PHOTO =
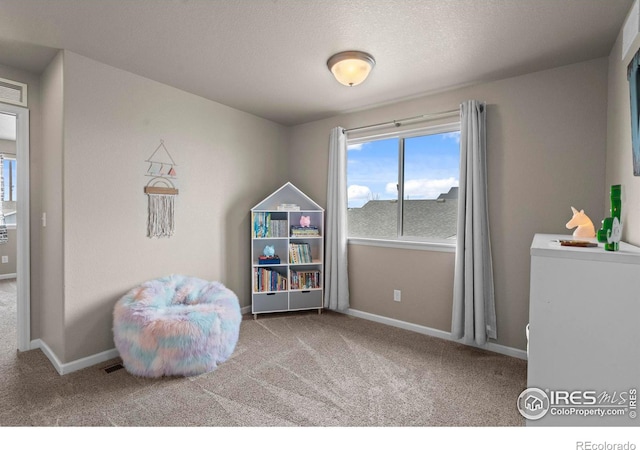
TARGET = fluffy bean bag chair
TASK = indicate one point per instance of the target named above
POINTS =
(176, 325)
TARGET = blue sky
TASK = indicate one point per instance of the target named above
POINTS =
(431, 167)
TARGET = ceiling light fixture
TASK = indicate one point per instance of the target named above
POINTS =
(351, 67)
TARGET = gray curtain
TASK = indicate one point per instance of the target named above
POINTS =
(336, 279)
(474, 312)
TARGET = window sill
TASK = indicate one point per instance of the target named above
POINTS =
(446, 247)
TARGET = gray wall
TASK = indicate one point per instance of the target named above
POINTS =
(50, 261)
(546, 138)
(10, 250)
(227, 161)
(619, 159)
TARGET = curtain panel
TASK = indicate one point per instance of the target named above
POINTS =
(336, 274)
(474, 315)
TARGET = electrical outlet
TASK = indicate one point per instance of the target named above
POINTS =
(5, 259)
(396, 295)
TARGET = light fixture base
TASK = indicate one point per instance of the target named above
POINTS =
(351, 67)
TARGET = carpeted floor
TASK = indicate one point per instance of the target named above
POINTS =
(296, 369)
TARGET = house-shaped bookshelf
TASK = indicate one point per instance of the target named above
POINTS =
(287, 253)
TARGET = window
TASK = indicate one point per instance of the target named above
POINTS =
(9, 174)
(404, 186)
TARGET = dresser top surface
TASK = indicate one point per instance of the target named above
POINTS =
(548, 245)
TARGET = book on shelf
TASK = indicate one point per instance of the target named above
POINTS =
(300, 253)
(309, 279)
(265, 227)
(263, 260)
(268, 280)
(261, 224)
(297, 230)
(279, 228)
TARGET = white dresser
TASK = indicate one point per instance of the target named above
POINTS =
(584, 330)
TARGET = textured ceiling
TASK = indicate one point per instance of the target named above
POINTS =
(268, 57)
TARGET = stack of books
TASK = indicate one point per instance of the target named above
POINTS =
(300, 253)
(297, 231)
(268, 280)
(305, 280)
(265, 227)
(288, 207)
(268, 259)
(278, 228)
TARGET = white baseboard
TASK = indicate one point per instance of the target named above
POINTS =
(8, 276)
(65, 368)
(496, 348)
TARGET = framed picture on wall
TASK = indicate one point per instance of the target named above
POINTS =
(634, 79)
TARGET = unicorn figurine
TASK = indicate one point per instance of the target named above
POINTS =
(585, 226)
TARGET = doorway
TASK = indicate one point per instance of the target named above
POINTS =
(18, 197)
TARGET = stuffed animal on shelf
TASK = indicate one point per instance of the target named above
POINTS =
(585, 226)
(269, 251)
(305, 221)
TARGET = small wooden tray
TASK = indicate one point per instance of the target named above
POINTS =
(572, 243)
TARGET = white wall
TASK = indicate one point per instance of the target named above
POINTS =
(227, 161)
(546, 142)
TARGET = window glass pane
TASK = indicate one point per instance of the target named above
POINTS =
(9, 173)
(431, 172)
(372, 180)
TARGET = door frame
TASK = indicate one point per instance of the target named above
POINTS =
(23, 265)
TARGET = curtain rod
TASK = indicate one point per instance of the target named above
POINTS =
(398, 122)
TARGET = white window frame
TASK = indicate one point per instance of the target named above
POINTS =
(406, 242)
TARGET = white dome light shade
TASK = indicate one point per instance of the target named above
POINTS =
(352, 67)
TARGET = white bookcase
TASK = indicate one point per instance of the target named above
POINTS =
(295, 282)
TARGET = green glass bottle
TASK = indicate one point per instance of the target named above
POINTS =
(608, 223)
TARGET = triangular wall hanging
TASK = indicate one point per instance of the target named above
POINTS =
(161, 192)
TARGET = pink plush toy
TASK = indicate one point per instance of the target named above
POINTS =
(305, 221)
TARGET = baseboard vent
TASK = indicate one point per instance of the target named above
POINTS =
(113, 368)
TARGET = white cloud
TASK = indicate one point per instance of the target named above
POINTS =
(452, 135)
(356, 192)
(356, 146)
(358, 195)
(424, 188)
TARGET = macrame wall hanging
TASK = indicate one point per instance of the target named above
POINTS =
(4, 237)
(161, 192)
